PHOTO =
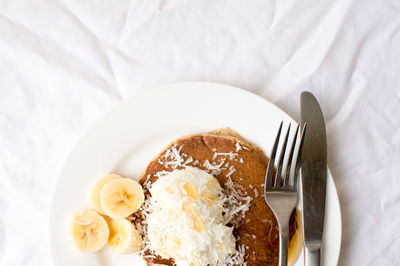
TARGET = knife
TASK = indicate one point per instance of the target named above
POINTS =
(313, 175)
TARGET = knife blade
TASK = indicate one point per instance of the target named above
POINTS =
(313, 175)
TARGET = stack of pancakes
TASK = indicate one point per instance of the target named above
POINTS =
(257, 230)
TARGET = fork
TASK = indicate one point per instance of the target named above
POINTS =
(279, 193)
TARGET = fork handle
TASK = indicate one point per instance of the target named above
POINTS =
(283, 244)
(312, 255)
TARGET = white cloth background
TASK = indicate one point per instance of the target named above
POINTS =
(64, 63)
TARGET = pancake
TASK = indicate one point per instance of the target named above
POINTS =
(228, 157)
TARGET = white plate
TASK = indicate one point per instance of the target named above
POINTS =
(127, 137)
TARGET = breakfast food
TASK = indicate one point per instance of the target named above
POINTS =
(199, 202)
(115, 198)
(121, 197)
(186, 221)
(89, 231)
(239, 167)
(95, 195)
(124, 238)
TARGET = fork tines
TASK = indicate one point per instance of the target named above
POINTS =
(279, 180)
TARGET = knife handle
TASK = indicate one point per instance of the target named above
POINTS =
(312, 255)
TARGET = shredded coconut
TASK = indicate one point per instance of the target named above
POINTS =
(256, 193)
(238, 147)
(214, 168)
(189, 160)
(147, 183)
(237, 258)
(231, 171)
(269, 222)
(172, 157)
(235, 204)
(231, 155)
(145, 210)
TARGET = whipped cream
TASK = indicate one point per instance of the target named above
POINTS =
(186, 221)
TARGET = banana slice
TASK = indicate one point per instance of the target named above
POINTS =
(89, 231)
(121, 197)
(124, 238)
(95, 196)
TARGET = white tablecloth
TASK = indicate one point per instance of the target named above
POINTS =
(64, 63)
